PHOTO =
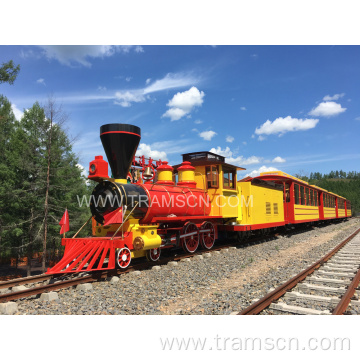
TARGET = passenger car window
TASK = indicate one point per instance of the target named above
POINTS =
(296, 191)
(302, 193)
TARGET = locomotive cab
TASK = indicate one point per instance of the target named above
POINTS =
(219, 180)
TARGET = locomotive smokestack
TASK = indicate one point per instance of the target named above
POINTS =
(120, 142)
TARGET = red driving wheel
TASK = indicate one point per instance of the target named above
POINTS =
(153, 254)
(207, 235)
(190, 241)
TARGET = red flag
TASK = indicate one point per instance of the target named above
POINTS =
(115, 217)
(64, 222)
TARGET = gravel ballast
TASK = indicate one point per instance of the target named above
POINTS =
(222, 283)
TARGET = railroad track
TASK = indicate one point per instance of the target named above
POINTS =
(62, 281)
(337, 274)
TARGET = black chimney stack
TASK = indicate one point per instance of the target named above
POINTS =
(120, 142)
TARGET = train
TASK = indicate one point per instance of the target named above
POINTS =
(146, 207)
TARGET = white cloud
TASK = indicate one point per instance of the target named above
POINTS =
(147, 82)
(174, 114)
(226, 152)
(334, 97)
(243, 108)
(230, 139)
(278, 159)
(282, 125)
(207, 135)
(187, 100)
(198, 121)
(246, 161)
(327, 109)
(171, 81)
(139, 49)
(125, 98)
(18, 113)
(128, 78)
(146, 150)
(30, 53)
(260, 170)
(244, 143)
(83, 170)
(174, 146)
(183, 103)
(41, 81)
(357, 118)
(78, 54)
(239, 160)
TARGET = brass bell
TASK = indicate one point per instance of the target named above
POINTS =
(148, 173)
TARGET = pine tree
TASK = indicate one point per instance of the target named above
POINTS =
(9, 72)
(28, 149)
(7, 124)
(32, 171)
(66, 183)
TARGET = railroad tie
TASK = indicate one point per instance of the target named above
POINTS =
(297, 309)
(294, 295)
(307, 286)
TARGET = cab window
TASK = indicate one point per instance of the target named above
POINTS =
(212, 177)
(229, 178)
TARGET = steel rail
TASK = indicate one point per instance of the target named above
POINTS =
(24, 280)
(50, 287)
(272, 296)
(346, 298)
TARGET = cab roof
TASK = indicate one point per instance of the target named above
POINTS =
(206, 158)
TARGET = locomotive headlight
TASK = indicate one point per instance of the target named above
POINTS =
(92, 168)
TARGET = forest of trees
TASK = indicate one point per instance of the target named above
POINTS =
(338, 174)
(39, 178)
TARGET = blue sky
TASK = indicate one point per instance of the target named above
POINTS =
(292, 108)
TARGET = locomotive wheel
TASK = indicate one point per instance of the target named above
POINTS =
(190, 241)
(153, 254)
(208, 237)
(123, 258)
